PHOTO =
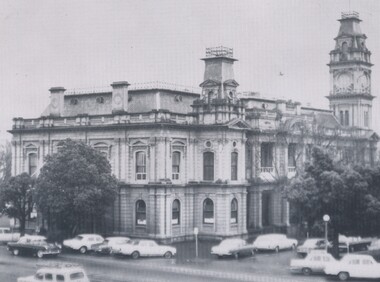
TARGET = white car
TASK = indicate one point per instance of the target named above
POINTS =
(274, 242)
(356, 266)
(6, 235)
(110, 244)
(57, 273)
(311, 244)
(233, 247)
(145, 248)
(315, 262)
(83, 242)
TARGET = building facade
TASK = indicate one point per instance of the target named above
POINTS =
(211, 157)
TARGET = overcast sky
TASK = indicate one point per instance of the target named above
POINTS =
(85, 44)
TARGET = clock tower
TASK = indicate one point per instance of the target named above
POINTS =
(350, 75)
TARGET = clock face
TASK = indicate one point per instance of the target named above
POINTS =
(117, 100)
(363, 81)
(344, 81)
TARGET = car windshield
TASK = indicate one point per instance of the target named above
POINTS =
(39, 276)
(78, 237)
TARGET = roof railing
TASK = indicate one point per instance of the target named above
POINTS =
(137, 86)
(350, 14)
(219, 51)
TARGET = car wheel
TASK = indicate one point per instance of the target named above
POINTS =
(277, 249)
(40, 254)
(306, 271)
(343, 276)
(252, 252)
(135, 255)
(293, 247)
(83, 250)
(16, 252)
(236, 255)
(168, 255)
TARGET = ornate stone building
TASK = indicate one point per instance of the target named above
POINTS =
(211, 158)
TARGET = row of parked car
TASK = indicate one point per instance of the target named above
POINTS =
(38, 246)
(355, 261)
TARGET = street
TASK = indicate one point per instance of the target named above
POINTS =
(263, 267)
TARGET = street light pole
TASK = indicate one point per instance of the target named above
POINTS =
(326, 219)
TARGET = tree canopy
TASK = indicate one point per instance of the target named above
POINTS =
(16, 198)
(349, 195)
(5, 161)
(75, 184)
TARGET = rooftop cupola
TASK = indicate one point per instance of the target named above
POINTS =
(219, 102)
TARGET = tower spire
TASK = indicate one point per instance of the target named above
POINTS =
(350, 74)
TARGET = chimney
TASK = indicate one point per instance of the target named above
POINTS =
(120, 96)
(56, 101)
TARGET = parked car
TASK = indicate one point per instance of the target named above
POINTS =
(274, 242)
(110, 244)
(145, 248)
(57, 273)
(33, 245)
(6, 235)
(375, 245)
(233, 247)
(83, 242)
(354, 265)
(314, 262)
(311, 244)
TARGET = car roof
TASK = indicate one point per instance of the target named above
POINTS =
(59, 270)
(37, 237)
(117, 238)
(271, 235)
(357, 256)
(89, 235)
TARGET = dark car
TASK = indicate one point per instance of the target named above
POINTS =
(109, 244)
(33, 245)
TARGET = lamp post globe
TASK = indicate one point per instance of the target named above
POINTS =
(326, 219)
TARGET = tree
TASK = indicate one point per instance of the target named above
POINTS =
(344, 193)
(16, 198)
(75, 185)
(5, 161)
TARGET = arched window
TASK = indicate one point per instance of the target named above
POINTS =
(32, 163)
(344, 47)
(208, 211)
(234, 211)
(234, 166)
(140, 165)
(176, 212)
(140, 213)
(208, 166)
(176, 162)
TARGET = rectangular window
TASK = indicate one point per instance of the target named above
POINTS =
(346, 118)
(140, 166)
(266, 155)
(366, 119)
(292, 155)
(32, 163)
(208, 166)
(176, 161)
(341, 117)
(234, 166)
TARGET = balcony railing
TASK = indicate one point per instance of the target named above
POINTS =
(291, 169)
(267, 169)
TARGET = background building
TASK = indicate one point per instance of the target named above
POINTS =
(215, 159)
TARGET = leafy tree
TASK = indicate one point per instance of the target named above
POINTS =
(16, 198)
(74, 185)
(347, 194)
(5, 161)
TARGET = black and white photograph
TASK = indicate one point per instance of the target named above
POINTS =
(194, 140)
